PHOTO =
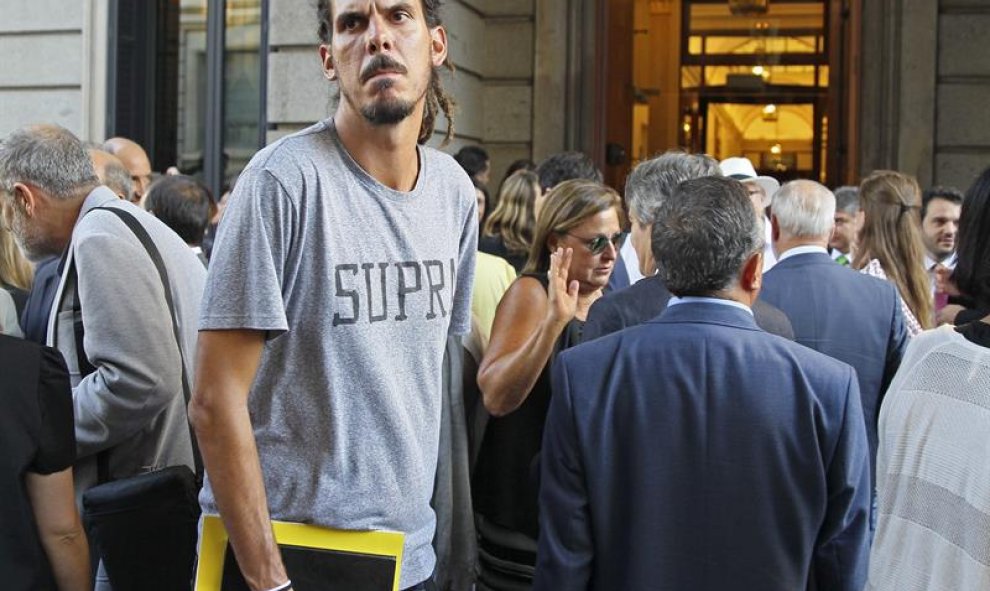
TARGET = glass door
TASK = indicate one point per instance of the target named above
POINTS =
(755, 82)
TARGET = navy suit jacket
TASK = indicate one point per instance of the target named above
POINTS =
(647, 298)
(698, 452)
(619, 279)
(34, 317)
(846, 315)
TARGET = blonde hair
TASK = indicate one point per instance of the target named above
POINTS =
(15, 270)
(566, 207)
(891, 233)
(513, 218)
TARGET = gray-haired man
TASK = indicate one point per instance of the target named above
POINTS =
(834, 310)
(127, 383)
(648, 186)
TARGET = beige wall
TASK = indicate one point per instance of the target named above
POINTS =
(491, 43)
(41, 42)
(54, 64)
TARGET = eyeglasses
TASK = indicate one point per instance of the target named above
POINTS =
(598, 244)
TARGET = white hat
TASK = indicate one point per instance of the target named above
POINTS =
(742, 169)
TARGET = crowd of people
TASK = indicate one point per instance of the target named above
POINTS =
(711, 381)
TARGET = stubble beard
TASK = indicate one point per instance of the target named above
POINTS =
(33, 244)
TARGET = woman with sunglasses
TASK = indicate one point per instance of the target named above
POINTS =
(575, 246)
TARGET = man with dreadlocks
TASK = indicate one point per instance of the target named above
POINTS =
(344, 260)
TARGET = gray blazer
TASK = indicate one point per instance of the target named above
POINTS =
(132, 404)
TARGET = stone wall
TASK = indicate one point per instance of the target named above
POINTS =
(925, 84)
(962, 127)
(41, 80)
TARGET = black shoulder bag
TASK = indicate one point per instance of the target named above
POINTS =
(146, 526)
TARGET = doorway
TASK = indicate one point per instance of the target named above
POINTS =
(764, 79)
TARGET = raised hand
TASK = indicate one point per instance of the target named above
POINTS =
(562, 295)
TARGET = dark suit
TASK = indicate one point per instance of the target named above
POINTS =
(846, 315)
(698, 452)
(646, 298)
(619, 279)
(34, 318)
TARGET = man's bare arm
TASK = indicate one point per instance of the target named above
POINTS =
(226, 363)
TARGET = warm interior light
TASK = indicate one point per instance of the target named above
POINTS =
(776, 149)
(769, 112)
(687, 128)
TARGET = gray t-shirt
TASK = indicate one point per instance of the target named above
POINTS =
(358, 286)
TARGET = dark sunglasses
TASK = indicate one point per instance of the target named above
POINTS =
(598, 244)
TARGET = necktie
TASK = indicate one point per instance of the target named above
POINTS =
(842, 260)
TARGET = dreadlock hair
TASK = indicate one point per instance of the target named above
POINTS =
(437, 99)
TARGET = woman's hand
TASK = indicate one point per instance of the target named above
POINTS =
(562, 295)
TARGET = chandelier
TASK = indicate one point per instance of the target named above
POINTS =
(748, 7)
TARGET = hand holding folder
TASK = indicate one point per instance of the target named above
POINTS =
(316, 558)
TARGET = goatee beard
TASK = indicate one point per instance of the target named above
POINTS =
(386, 111)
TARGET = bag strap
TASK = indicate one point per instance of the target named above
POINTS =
(156, 257)
(82, 362)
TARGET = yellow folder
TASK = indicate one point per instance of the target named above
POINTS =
(369, 556)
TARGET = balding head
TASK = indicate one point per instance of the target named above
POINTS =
(803, 214)
(135, 159)
(112, 173)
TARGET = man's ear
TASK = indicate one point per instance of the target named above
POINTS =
(326, 59)
(774, 228)
(438, 46)
(27, 198)
(751, 278)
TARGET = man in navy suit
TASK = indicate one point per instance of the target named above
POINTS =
(833, 309)
(696, 451)
(647, 186)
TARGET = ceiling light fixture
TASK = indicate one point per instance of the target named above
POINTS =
(748, 7)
